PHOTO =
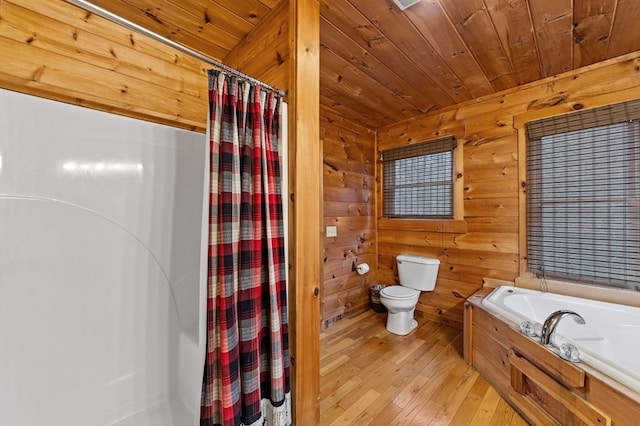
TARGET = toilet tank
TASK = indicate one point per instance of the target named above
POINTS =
(417, 272)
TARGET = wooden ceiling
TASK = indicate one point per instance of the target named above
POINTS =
(380, 65)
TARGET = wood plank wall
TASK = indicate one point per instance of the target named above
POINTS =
(53, 49)
(349, 192)
(264, 53)
(491, 246)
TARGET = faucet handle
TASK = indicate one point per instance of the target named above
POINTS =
(569, 352)
(530, 329)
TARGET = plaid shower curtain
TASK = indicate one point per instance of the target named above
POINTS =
(246, 374)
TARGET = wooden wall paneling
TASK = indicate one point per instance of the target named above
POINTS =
(494, 243)
(305, 168)
(349, 195)
(348, 186)
(53, 36)
(432, 126)
(56, 50)
(265, 52)
(46, 71)
(502, 224)
(337, 208)
(489, 260)
(464, 262)
(78, 18)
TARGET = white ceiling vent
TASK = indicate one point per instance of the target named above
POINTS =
(403, 4)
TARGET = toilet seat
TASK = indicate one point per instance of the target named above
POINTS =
(398, 292)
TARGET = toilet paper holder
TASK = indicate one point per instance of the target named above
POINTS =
(360, 269)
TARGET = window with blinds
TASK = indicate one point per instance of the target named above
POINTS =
(417, 180)
(583, 196)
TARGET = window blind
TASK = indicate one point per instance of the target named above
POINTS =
(418, 180)
(583, 196)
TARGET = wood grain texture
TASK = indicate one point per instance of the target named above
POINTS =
(513, 25)
(213, 28)
(493, 187)
(348, 185)
(305, 172)
(473, 23)
(441, 34)
(380, 65)
(553, 23)
(539, 384)
(393, 24)
(264, 53)
(372, 377)
(55, 50)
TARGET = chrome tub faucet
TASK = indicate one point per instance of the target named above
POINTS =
(552, 321)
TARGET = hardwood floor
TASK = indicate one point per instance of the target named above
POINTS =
(369, 376)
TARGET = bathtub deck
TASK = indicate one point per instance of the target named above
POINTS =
(369, 376)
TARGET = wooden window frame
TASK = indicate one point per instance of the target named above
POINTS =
(526, 278)
(456, 225)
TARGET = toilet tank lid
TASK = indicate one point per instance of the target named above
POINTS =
(417, 259)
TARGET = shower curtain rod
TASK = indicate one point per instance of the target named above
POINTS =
(90, 7)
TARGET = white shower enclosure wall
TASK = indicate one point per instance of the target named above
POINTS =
(102, 267)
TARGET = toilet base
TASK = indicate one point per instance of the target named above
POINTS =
(399, 324)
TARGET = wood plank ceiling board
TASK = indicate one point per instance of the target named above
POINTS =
(252, 11)
(625, 31)
(152, 23)
(396, 27)
(513, 24)
(592, 21)
(474, 24)
(205, 26)
(269, 3)
(346, 107)
(343, 46)
(367, 89)
(553, 23)
(431, 21)
(376, 45)
(344, 77)
(195, 19)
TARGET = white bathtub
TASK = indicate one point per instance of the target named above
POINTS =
(608, 342)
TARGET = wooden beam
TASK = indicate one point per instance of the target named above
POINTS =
(305, 171)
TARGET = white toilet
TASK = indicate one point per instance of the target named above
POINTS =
(416, 274)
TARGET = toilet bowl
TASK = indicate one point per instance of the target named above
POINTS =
(416, 274)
